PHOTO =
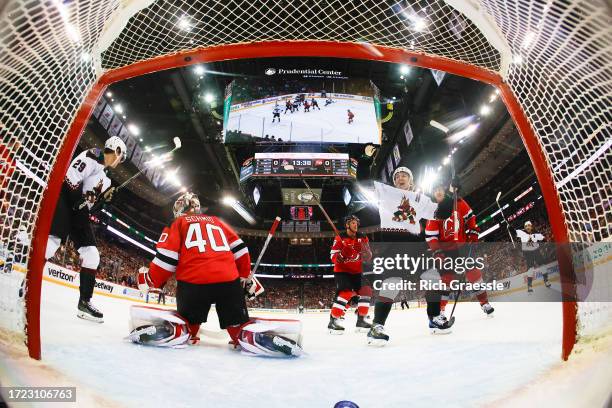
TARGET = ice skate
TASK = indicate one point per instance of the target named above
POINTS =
(334, 326)
(377, 336)
(88, 312)
(362, 325)
(439, 325)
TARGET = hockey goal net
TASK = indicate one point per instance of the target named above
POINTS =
(550, 60)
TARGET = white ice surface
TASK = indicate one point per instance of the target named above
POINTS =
(482, 359)
(330, 124)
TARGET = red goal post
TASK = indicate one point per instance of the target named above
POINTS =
(289, 49)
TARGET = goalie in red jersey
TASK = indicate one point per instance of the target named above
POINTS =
(449, 235)
(212, 266)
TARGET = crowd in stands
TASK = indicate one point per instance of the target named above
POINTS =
(120, 261)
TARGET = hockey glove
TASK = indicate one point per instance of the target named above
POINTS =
(252, 287)
(145, 284)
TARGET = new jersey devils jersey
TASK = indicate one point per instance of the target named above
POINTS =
(353, 264)
(199, 249)
(444, 235)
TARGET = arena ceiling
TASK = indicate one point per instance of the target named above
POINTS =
(188, 103)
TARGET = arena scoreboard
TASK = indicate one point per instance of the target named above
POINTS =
(302, 164)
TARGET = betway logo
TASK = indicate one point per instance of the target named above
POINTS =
(104, 286)
(56, 273)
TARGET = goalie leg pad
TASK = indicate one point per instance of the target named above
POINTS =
(157, 327)
(272, 338)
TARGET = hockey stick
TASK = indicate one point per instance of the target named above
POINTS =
(265, 245)
(505, 219)
(99, 200)
(330, 222)
(451, 318)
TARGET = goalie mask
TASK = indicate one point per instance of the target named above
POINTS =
(186, 203)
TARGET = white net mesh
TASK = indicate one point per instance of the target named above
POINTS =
(52, 53)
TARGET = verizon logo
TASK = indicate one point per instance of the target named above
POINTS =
(61, 275)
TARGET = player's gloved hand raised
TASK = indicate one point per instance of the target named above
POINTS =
(145, 284)
(107, 196)
(252, 287)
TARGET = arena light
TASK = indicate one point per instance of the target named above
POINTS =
(446, 160)
(428, 178)
(147, 149)
(528, 40)
(118, 108)
(404, 69)
(199, 70)
(438, 125)
(208, 98)
(469, 130)
(109, 94)
(485, 110)
(184, 23)
(229, 200)
(129, 239)
(487, 232)
(135, 130)
(518, 197)
(172, 177)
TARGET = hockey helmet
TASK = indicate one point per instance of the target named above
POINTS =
(402, 170)
(116, 145)
(185, 203)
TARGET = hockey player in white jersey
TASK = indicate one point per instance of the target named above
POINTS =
(85, 184)
(530, 240)
(276, 113)
(413, 207)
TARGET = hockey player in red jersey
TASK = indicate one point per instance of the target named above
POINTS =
(449, 235)
(351, 116)
(348, 252)
(212, 266)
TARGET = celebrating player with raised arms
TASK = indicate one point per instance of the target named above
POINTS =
(531, 252)
(449, 235)
(401, 210)
(212, 266)
(348, 252)
(85, 184)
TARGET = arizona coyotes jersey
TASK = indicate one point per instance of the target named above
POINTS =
(529, 241)
(444, 235)
(86, 173)
(200, 249)
(354, 265)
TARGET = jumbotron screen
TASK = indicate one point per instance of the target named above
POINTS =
(302, 164)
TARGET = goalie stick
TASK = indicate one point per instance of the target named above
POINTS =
(265, 245)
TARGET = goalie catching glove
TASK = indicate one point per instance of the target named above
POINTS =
(252, 287)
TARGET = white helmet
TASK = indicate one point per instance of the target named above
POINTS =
(528, 223)
(185, 203)
(116, 145)
(402, 170)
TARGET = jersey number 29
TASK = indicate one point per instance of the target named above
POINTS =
(194, 238)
